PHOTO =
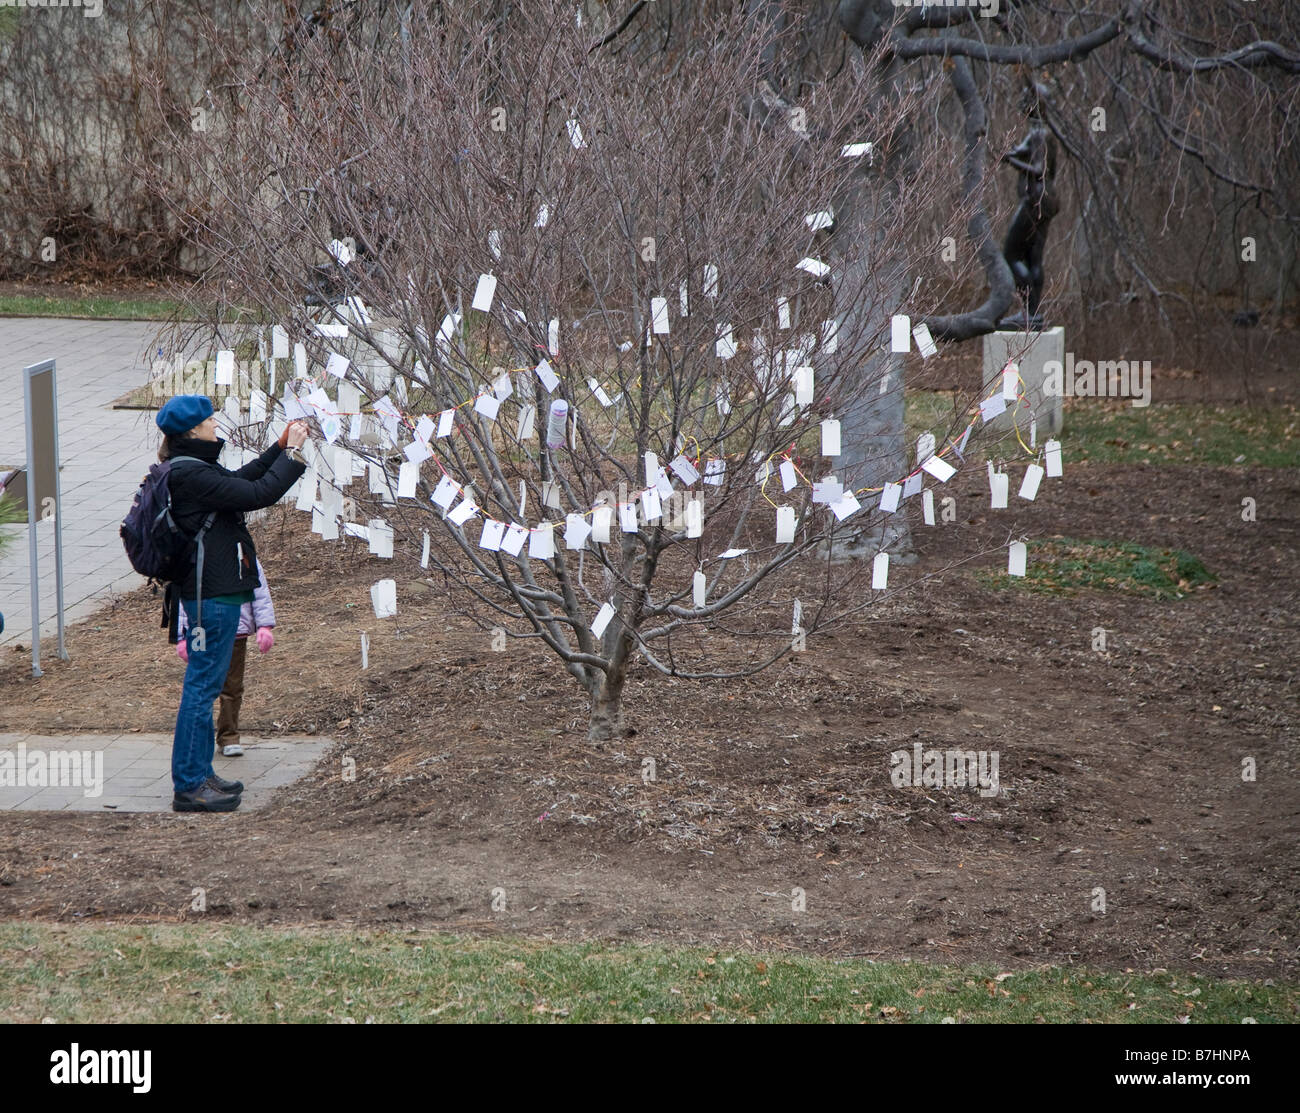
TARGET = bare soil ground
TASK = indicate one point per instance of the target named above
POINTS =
(1120, 770)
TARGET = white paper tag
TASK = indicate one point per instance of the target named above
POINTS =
(784, 525)
(603, 618)
(710, 280)
(939, 468)
(694, 518)
(550, 380)
(445, 422)
(900, 333)
(1052, 458)
(445, 493)
(527, 423)
(513, 543)
(381, 539)
(337, 365)
(725, 344)
(912, 485)
(999, 484)
(846, 505)
(541, 542)
(924, 341)
(783, 313)
(715, 472)
(659, 316)
(627, 517)
(992, 406)
(812, 266)
(576, 531)
(1029, 486)
(803, 385)
(880, 572)
(488, 405)
(601, 521)
(492, 534)
(279, 343)
(699, 586)
(225, 373)
(652, 504)
(889, 497)
(407, 477)
(1010, 382)
(424, 551)
(417, 452)
(484, 293)
(830, 437)
(788, 479)
(830, 336)
(300, 360)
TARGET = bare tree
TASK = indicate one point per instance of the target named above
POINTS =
(624, 450)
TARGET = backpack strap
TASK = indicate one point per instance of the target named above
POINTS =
(198, 541)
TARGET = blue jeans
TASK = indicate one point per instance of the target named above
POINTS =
(205, 676)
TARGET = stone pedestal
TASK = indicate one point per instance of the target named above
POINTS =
(1030, 351)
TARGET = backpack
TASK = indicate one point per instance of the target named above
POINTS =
(155, 545)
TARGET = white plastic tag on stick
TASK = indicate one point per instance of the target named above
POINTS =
(1017, 557)
(383, 597)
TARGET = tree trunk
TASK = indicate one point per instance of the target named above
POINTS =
(607, 706)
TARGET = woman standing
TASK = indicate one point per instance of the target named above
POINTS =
(214, 594)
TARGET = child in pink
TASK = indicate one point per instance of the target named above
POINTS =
(259, 616)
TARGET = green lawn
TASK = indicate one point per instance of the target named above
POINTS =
(103, 308)
(195, 972)
(1105, 432)
(1066, 566)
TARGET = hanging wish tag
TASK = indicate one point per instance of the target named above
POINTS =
(999, 485)
(1017, 557)
(880, 572)
(1029, 486)
(1052, 458)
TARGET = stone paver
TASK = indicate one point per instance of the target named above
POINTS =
(104, 452)
(136, 771)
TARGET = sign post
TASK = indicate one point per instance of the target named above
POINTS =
(43, 503)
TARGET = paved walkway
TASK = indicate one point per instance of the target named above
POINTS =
(104, 454)
(132, 772)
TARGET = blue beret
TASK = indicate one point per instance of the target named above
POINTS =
(182, 413)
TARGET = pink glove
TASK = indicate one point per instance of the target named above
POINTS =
(265, 639)
(182, 650)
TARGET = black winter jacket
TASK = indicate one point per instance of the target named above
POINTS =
(229, 558)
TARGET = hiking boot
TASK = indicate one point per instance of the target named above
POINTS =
(231, 788)
(205, 798)
(232, 749)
